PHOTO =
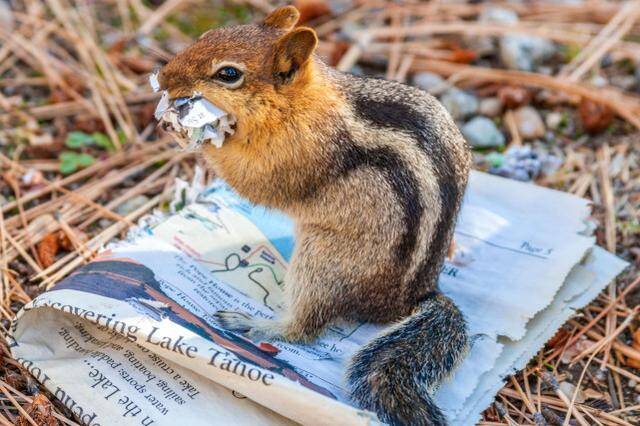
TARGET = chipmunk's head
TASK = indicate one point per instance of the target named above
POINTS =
(248, 71)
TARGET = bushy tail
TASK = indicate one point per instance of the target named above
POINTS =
(395, 374)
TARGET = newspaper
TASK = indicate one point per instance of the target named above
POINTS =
(130, 339)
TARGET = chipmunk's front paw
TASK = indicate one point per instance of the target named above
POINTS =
(256, 330)
(234, 321)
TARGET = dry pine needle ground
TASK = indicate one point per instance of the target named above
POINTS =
(81, 158)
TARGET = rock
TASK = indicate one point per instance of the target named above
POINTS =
(32, 177)
(529, 123)
(554, 120)
(625, 82)
(459, 104)
(514, 96)
(6, 16)
(523, 52)
(569, 389)
(132, 204)
(105, 223)
(481, 132)
(595, 116)
(632, 383)
(598, 81)
(486, 45)
(430, 82)
(545, 70)
(498, 15)
(523, 163)
(491, 107)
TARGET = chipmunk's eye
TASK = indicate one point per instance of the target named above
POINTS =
(228, 74)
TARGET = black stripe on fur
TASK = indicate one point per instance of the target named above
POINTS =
(401, 116)
(402, 181)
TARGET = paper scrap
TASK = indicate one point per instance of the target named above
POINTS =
(193, 118)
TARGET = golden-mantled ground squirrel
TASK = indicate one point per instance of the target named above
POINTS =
(373, 173)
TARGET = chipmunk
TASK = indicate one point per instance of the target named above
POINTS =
(372, 172)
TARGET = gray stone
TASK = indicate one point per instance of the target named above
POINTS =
(625, 82)
(486, 45)
(132, 204)
(568, 389)
(491, 107)
(105, 223)
(499, 15)
(481, 132)
(598, 81)
(459, 104)
(523, 163)
(6, 15)
(529, 123)
(430, 82)
(523, 52)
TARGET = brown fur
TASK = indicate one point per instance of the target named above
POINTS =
(373, 174)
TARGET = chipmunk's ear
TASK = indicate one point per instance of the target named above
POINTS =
(283, 17)
(292, 52)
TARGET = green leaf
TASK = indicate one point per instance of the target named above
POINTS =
(68, 162)
(78, 140)
(68, 156)
(495, 159)
(102, 141)
(85, 160)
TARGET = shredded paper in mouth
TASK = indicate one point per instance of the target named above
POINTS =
(192, 118)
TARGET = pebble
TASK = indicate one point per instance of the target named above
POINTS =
(522, 163)
(491, 107)
(430, 82)
(626, 82)
(554, 120)
(523, 52)
(481, 132)
(514, 96)
(598, 81)
(486, 45)
(132, 204)
(6, 15)
(569, 389)
(595, 117)
(459, 104)
(105, 223)
(529, 122)
(498, 15)
(632, 383)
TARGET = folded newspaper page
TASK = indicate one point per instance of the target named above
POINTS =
(130, 338)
